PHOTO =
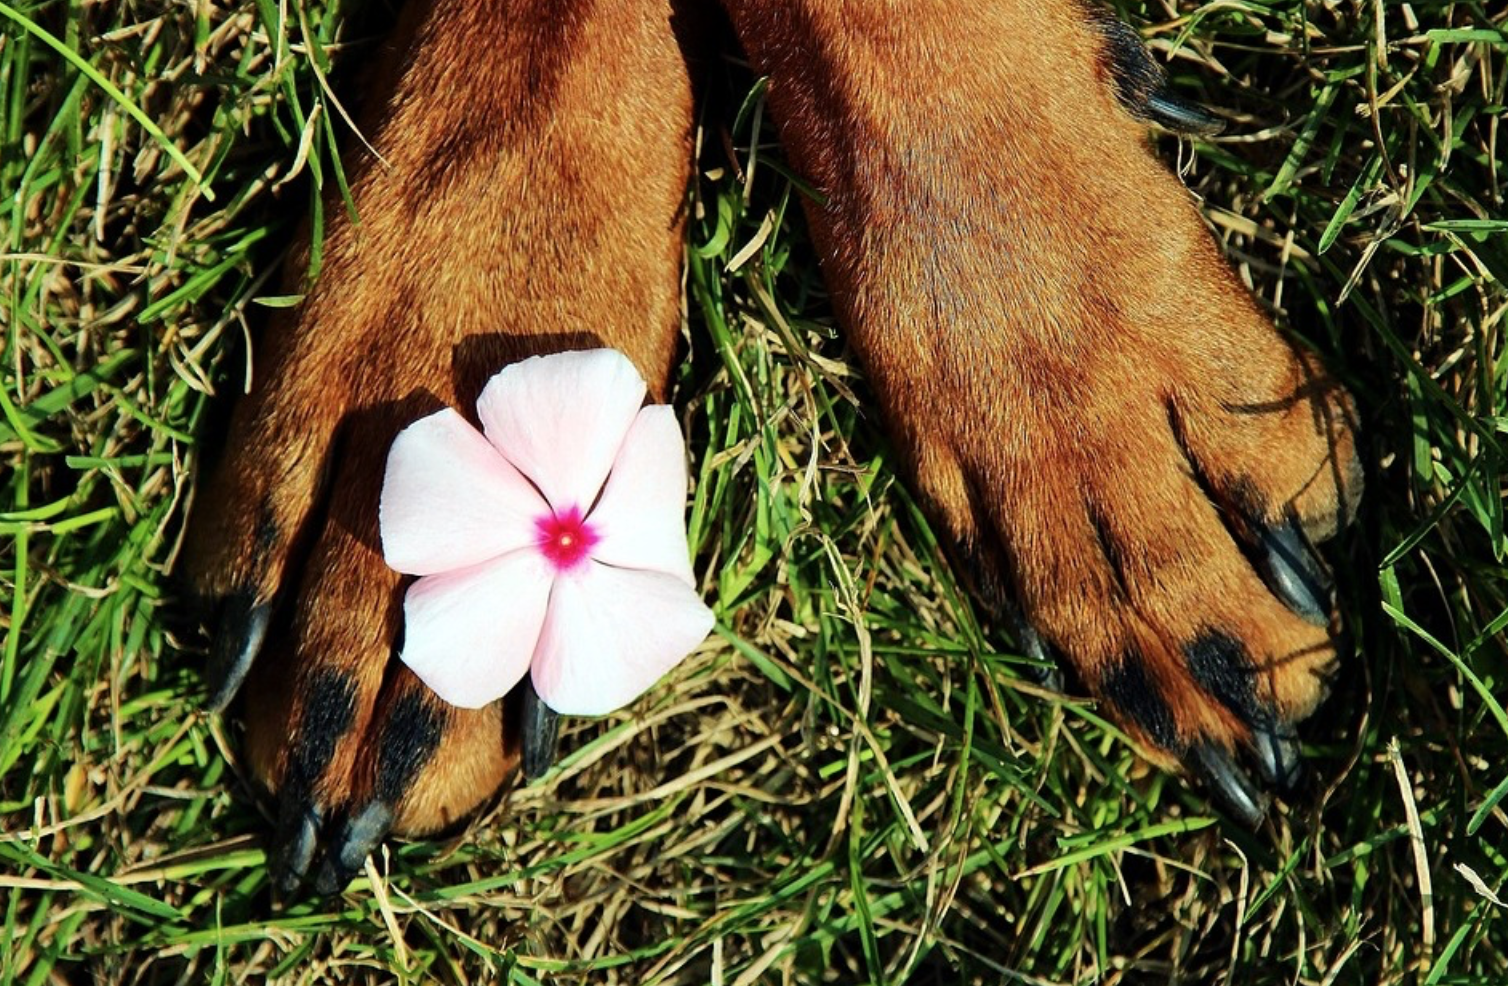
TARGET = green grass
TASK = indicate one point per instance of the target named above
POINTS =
(853, 781)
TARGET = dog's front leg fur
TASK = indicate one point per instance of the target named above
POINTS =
(1085, 396)
(530, 199)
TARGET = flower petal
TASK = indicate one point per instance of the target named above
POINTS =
(610, 634)
(641, 518)
(450, 501)
(469, 635)
(561, 418)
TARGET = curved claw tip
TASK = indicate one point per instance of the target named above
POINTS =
(541, 732)
(1278, 758)
(359, 836)
(294, 850)
(1180, 115)
(1230, 785)
(243, 627)
(1045, 670)
(1295, 572)
(1142, 85)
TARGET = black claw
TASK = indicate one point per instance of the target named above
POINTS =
(1045, 669)
(1142, 85)
(1230, 785)
(1278, 758)
(293, 851)
(358, 837)
(243, 627)
(1180, 115)
(1295, 572)
(541, 733)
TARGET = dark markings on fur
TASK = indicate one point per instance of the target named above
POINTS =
(979, 568)
(1128, 688)
(1245, 497)
(1240, 505)
(1110, 548)
(1046, 668)
(1221, 665)
(269, 534)
(329, 708)
(1281, 553)
(1142, 86)
(411, 734)
(520, 60)
(409, 739)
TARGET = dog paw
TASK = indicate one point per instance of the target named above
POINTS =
(1125, 453)
(1153, 501)
(481, 241)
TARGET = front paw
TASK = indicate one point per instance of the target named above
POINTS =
(352, 745)
(1158, 528)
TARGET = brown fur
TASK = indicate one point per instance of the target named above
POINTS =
(1036, 301)
(537, 159)
(1084, 394)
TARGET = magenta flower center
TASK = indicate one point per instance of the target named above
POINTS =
(564, 537)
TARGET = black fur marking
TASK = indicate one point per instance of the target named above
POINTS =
(1128, 688)
(1221, 665)
(243, 627)
(1240, 504)
(979, 565)
(1046, 668)
(1110, 548)
(1223, 668)
(269, 533)
(410, 737)
(1142, 86)
(329, 709)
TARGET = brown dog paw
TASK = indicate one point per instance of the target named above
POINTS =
(1085, 396)
(482, 239)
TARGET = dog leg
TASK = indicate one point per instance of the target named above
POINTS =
(1088, 400)
(535, 159)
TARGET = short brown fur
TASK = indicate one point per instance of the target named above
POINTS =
(1034, 298)
(1084, 394)
(536, 163)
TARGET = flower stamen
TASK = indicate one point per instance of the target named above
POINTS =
(565, 538)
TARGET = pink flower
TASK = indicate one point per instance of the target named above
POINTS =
(555, 545)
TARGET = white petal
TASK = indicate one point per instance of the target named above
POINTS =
(449, 500)
(641, 517)
(470, 635)
(561, 418)
(610, 634)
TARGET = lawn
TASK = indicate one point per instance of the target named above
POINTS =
(855, 781)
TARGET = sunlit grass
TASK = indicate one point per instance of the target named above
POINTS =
(854, 780)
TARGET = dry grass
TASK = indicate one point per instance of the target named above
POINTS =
(853, 780)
